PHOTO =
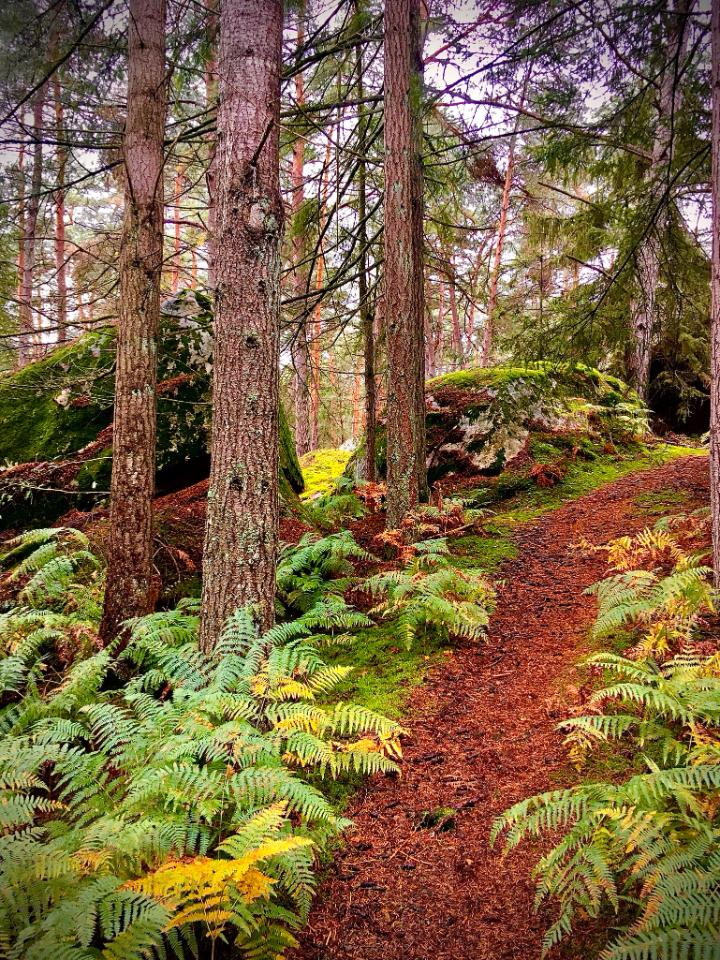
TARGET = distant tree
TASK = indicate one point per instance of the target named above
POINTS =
(241, 535)
(30, 233)
(404, 287)
(648, 253)
(129, 591)
(715, 291)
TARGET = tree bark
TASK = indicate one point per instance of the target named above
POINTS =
(404, 288)
(457, 345)
(21, 241)
(27, 324)
(647, 259)
(177, 197)
(60, 265)
(486, 349)
(300, 343)
(241, 534)
(715, 292)
(316, 328)
(367, 321)
(129, 591)
(367, 324)
(210, 102)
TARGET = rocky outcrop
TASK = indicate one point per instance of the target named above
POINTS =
(56, 419)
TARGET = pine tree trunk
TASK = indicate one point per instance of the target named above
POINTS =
(647, 259)
(316, 328)
(715, 291)
(457, 346)
(486, 350)
(177, 197)
(60, 265)
(21, 242)
(210, 102)
(129, 591)
(27, 325)
(404, 289)
(241, 534)
(367, 322)
(300, 343)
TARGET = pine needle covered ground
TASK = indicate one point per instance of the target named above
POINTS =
(418, 877)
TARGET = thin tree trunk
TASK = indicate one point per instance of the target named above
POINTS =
(211, 86)
(404, 289)
(488, 339)
(27, 324)
(129, 591)
(367, 324)
(455, 317)
(715, 291)
(21, 239)
(356, 408)
(486, 349)
(300, 343)
(647, 258)
(60, 266)
(177, 196)
(429, 332)
(316, 344)
(241, 534)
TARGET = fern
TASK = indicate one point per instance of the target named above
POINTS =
(315, 569)
(430, 596)
(147, 818)
(653, 840)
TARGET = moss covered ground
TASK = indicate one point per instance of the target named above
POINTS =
(321, 470)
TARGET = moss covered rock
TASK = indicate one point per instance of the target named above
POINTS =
(56, 416)
(479, 420)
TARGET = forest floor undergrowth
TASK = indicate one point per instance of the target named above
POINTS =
(417, 878)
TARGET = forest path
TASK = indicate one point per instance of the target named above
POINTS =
(483, 735)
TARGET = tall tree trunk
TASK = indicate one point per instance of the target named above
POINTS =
(715, 291)
(177, 197)
(486, 349)
(211, 86)
(27, 324)
(367, 323)
(129, 591)
(404, 289)
(429, 333)
(455, 316)
(241, 534)
(60, 265)
(357, 417)
(647, 258)
(300, 342)
(316, 329)
(21, 239)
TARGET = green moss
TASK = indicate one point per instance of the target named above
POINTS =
(321, 470)
(485, 551)
(583, 476)
(660, 502)
(477, 378)
(385, 671)
(58, 404)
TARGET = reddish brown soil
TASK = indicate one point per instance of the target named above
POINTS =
(482, 736)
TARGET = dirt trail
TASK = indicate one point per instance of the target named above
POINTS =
(482, 736)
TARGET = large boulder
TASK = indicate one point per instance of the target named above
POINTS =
(479, 420)
(56, 419)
